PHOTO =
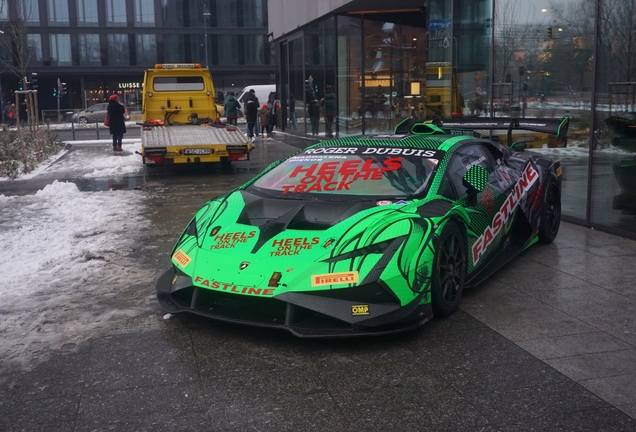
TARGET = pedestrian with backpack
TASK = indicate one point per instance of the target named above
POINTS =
(251, 104)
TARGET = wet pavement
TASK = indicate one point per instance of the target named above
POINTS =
(548, 343)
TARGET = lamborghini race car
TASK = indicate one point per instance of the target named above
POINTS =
(364, 234)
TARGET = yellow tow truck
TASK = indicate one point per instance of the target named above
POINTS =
(181, 123)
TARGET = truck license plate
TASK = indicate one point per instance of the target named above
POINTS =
(197, 151)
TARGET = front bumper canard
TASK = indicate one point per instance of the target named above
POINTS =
(304, 315)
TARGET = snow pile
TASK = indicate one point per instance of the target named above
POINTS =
(67, 265)
(127, 162)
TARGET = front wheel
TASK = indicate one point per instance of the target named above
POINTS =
(550, 213)
(449, 271)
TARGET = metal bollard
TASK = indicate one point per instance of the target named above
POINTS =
(73, 129)
(48, 126)
(97, 129)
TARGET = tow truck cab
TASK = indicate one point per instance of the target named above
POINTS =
(174, 92)
(181, 122)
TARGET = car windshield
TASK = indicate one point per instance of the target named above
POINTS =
(388, 172)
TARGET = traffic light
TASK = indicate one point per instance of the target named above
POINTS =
(20, 85)
(34, 80)
(550, 32)
(63, 89)
(522, 71)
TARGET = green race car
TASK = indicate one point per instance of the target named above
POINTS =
(365, 234)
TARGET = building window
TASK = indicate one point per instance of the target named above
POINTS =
(144, 13)
(58, 12)
(228, 50)
(34, 47)
(61, 50)
(29, 11)
(118, 50)
(87, 13)
(255, 49)
(89, 50)
(146, 49)
(174, 48)
(173, 13)
(116, 13)
(4, 11)
(254, 13)
(226, 13)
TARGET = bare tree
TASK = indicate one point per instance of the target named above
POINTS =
(15, 41)
(511, 34)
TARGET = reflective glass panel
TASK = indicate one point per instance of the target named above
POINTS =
(34, 45)
(146, 49)
(116, 13)
(349, 75)
(543, 68)
(89, 50)
(87, 14)
(57, 11)
(614, 151)
(118, 50)
(144, 13)
(61, 49)
(29, 11)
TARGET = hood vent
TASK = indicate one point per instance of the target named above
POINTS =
(274, 216)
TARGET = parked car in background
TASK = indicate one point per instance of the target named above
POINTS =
(96, 113)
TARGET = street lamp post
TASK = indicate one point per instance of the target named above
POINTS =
(206, 14)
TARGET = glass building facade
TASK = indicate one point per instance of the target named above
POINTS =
(461, 58)
(102, 46)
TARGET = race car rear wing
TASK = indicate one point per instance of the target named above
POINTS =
(557, 127)
(460, 126)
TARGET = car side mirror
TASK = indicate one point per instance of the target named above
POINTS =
(475, 180)
(518, 146)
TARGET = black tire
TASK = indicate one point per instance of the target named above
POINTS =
(449, 271)
(226, 164)
(550, 218)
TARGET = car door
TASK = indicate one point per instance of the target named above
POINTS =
(482, 208)
(98, 113)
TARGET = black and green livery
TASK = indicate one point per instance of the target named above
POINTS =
(365, 234)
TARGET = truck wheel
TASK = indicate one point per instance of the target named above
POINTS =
(226, 164)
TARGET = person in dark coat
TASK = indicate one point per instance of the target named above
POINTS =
(314, 114)
(231, 107)
(328, 104)
(117, 124)
(251, 112)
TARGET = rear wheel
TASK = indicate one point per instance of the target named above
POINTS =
(550, 213)
(83, 120)
(449, 271)
(226, 164)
